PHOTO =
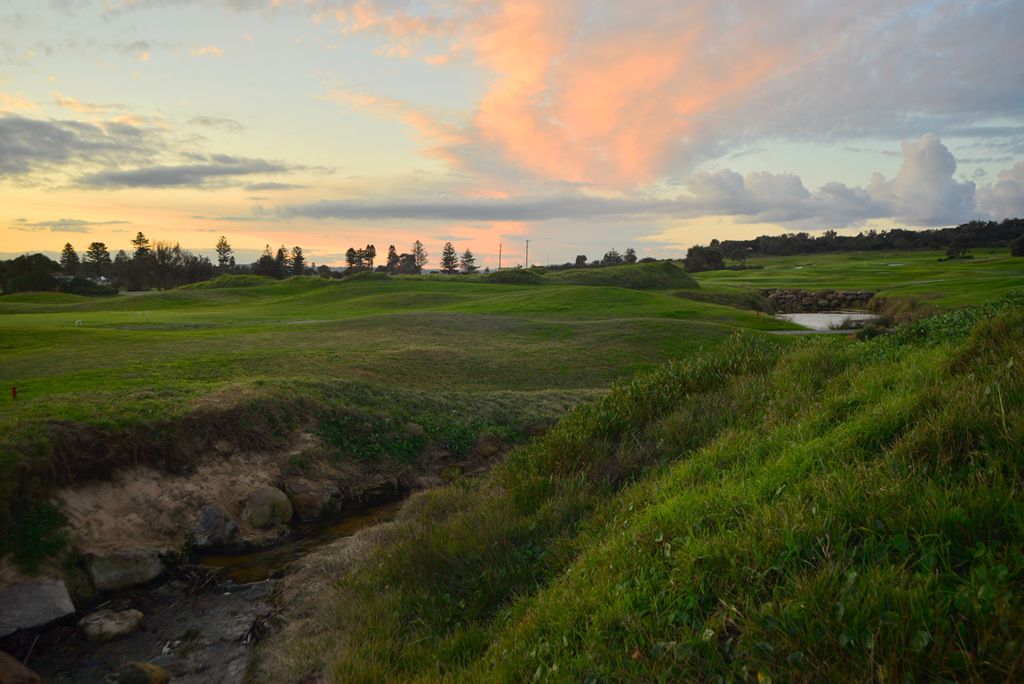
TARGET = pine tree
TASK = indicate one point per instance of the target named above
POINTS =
(468, 262)
(393, 258)
(298, 261)
(630, 255)
(449, 262)
(69, 260)
(223, 253)
(98, 259)
(369, 254)
(141, 245)
(419, 254)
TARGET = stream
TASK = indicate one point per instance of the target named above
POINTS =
(199, 625)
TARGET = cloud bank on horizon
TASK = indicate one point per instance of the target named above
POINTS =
(585, 124)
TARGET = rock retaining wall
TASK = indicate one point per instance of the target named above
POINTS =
(813, 301)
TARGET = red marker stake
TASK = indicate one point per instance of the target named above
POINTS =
(14, 393)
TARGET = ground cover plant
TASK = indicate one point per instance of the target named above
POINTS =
(153, 378)
(825, 511)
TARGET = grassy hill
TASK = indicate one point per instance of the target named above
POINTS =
(832, 511)
(257, 359)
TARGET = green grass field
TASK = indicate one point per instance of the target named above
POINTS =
(709, 502)
(893, 274)
(830, 511)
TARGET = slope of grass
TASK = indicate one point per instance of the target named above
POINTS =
(661, 275)
(99, 377)
(832, 511)
(957, 282)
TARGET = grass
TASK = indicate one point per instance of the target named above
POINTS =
(894, 275)
(827, 511)
(257, 359)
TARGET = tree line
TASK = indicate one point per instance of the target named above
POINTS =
(957, 241)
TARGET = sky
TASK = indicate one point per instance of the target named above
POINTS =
(577, 125)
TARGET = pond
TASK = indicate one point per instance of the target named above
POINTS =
(830, 320)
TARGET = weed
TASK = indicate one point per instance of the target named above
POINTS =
(36, 532)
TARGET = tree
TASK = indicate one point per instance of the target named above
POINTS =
(960, 245)
(97, 259)
(581, 259)
(266, 265)
(30, 273)
(419, 255)
(298, 261)
(283, 261)
(352, 258)
(393, 259)
(1016, 247)
(369, 254)
(69, 260)
(611, 258)
(700, 258)
(630, 256)
(141, 245)
(449, 262)
(223, 253)
(468, 262)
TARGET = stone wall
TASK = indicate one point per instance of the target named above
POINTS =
(808, 301)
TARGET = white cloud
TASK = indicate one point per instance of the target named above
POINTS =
(924, 191)
(1005, 199)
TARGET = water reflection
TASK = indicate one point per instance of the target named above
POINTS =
(830, 320)
(260, 565)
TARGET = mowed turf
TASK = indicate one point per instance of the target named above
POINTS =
(118, 360)
(955, 282)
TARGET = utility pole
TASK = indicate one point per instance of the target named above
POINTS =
(527, 254)
(499, 256)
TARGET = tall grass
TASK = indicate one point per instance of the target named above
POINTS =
(835, 511)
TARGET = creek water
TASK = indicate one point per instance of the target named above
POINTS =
(256, 566)
(198, 637)
(829, 320)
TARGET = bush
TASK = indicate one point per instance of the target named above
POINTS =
(1017, 247)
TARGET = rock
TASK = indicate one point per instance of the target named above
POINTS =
(23, 606)
(107, 625)
(309, 500)
(214, 528)
(137, 672)
(267, 506)
(12, 671)
(451, 472)
(122, 570)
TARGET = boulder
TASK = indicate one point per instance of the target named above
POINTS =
(24, 606)
(451, 472)
(266, 507)
(122, 570)
(309, 500)
(107, 625)
(137, 672)
(12, 671)
(214, 528)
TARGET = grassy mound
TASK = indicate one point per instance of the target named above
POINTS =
(660, 275)
(230, 281)
(365, 275)
(833, 511)
(513, 277)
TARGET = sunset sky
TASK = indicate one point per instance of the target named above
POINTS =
(577, 125)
